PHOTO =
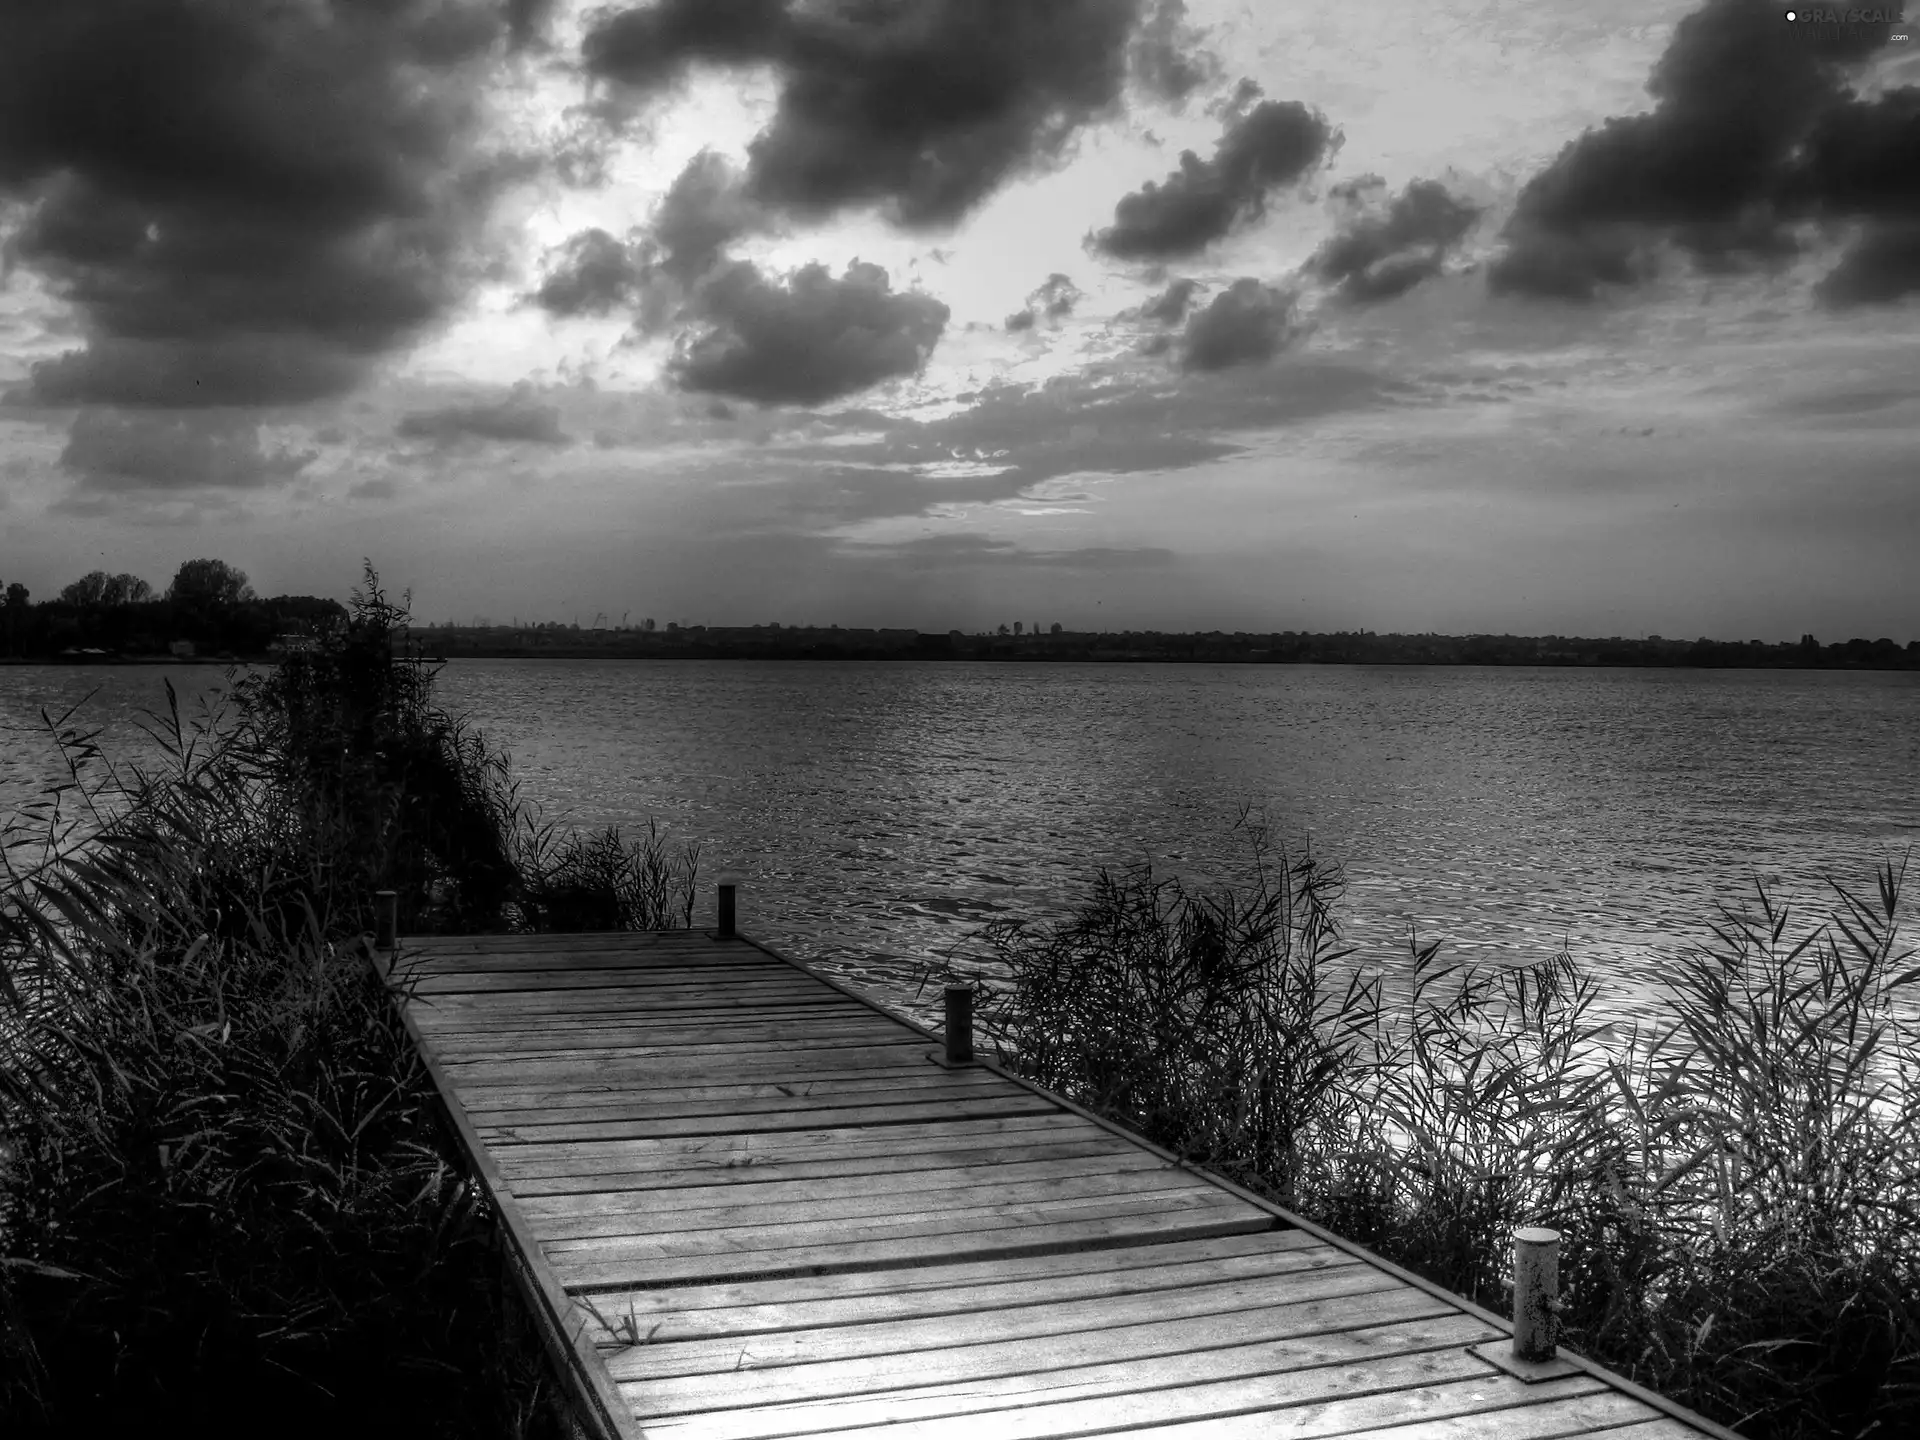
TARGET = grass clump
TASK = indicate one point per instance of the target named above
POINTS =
(225, 1189)
(1738, 1188)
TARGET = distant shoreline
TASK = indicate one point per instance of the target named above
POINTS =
(1118, 657)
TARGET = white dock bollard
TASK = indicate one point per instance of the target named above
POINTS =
(1536, 1293)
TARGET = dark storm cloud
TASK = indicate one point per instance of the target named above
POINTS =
(922, 108)
(593, 273)
(1272, 145)
(657, 266)
(1248, 323)
(247, 203)
(128, 451)
(1170, 306)
(519, 417)
(805, 340)
(704, 211)
(1751, 134)
(1053, 300)
(1377, 256)
(1168, 56)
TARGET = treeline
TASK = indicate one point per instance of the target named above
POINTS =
(210, 609)
(1287, 647)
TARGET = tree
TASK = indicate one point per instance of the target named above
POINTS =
(1056, 628)
(17, 596)
(1003, 628)
(209, 582)
(89, 590)
(1019, 627)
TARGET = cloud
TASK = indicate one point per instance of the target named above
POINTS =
(1168, 56)
(1053, 300)
(592, 273)
(519, 417)
(1170, 306)
(921, 109)
(1751, 137)
(1377, 256)
(805, 340)
(247, 204)
(126, 451)
(703, 212)
(1248, 323)
(1272, 145)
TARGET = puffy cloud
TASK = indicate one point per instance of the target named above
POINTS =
(805, 340)
(1377, 256)
(1053, 300)
(247, 203)
(517, 418)
(134, 450)
(1272, 145)
(1170, 306)
(922, 108)
(1752, 135)
(593, 273)
(1168, 56)
(1248, 323)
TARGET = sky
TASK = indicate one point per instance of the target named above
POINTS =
(1519, 316)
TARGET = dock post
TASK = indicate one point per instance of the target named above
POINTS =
(1536, 1293)
(725, 889)
(959, 1024)
(386, 919)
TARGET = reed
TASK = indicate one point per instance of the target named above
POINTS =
(1738, 1187)
(226, 1194)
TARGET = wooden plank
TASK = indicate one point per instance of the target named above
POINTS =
(749, 1385)
(728, 1152)
(643, 982)
(1224, 1303)
(559, 1107)
(580, 1176)
(747, 1229)
(597, 1267)
(626, 1213)
(984, 1399)
(876, 1115)
(644, 1020)
(536, 1068)
(1499, 1409)
(643, 968)
(633, 1043)
(705, 1312)
(747, 1034)
(784, 1189)
(1274, 1397)
(532, 1003)
(926, 1077)
(567, 942)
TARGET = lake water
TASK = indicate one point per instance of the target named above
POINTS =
(879, 812)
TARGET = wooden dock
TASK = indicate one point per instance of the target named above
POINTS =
(744, 1201)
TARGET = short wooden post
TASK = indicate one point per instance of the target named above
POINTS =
(725, 889)
(386, 918)
(959, 1024)
(1536, 1293)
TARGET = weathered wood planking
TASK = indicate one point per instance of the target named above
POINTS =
(758, 1209)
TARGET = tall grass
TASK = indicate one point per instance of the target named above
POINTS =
(1738, 1188)
(226, 1199)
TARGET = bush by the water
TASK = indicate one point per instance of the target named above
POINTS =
(1738, 1188)
(226, 1197)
